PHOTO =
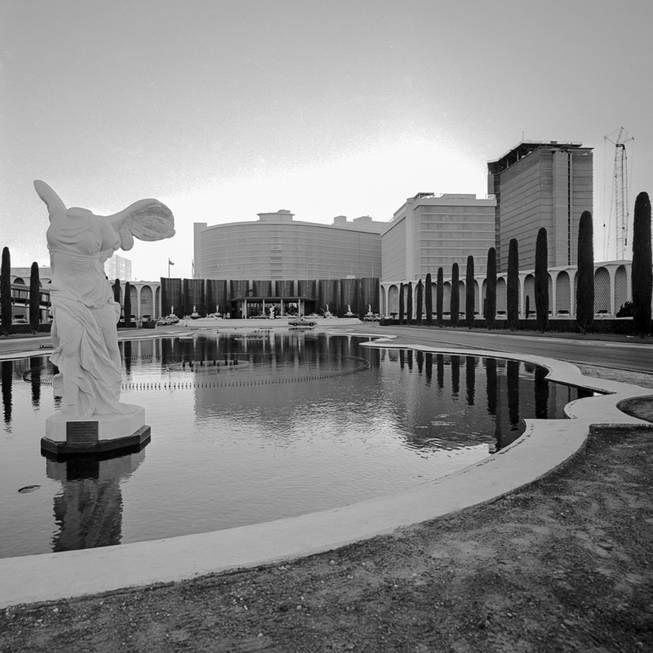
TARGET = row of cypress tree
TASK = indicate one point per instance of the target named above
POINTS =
(34, 296)
(127, 305)
(642, 281)
(6, 326)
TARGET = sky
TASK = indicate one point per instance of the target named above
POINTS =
(224, 109)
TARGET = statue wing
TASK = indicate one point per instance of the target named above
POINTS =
(146, 220)
(52, 200)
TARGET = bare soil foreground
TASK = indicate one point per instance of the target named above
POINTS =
(563, 565)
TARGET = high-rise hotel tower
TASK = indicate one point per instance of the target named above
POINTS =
(539, 184)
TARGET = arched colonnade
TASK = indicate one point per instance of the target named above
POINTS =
(612, 288)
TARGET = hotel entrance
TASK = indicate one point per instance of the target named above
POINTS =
(271, 307)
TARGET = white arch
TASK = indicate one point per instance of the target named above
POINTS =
(621, 294)
(529, 291)
(502, 301)
(602, 291)
(146, 303)
(563, 294)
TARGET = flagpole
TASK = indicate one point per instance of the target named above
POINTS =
(168, 268)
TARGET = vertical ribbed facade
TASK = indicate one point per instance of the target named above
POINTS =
(216, 296)
(262, 288)
(285, 288)
(171, 296)
(307, 288)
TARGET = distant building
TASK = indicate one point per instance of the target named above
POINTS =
(541, 185)
(22, 275)
(277, 247)
(118, 267)
(20, 285)
(431, 231)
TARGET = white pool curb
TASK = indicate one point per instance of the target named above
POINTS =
(545, 445)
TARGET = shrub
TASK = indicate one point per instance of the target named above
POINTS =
(625, 310)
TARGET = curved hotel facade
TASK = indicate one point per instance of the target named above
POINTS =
(247, 268)
(277, 247)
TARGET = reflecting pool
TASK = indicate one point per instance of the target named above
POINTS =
(253, 427)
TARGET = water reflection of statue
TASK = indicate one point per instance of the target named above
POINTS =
(85, 314)
(88, 510)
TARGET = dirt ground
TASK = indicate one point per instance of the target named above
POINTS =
(565, 564)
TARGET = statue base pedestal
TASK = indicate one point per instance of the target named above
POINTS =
(97, 434)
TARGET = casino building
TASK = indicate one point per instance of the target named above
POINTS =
(281, 265)
(278, 247)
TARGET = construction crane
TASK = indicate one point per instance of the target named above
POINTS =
(619, 219)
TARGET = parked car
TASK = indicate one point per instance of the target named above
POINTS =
(167, 320)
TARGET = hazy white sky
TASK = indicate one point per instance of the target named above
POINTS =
(225, 109)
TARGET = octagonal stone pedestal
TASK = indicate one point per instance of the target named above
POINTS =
(96, 434)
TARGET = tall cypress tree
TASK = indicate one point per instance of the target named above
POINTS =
(512, 285)
(5, 292)
(491, 289)
(454, 307)
(585, 273)
(401, 303)
(439, 295)
(420, 301)
(469, 292)
(34, 298)
(428, 299)
(641, 269)
(128, 304)
(116, 291)
(541, 280)
(409, 302)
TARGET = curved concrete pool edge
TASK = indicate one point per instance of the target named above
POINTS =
(544, 446)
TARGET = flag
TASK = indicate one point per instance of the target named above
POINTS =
(170, 262)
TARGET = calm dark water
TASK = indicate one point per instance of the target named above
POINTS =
(254, 428)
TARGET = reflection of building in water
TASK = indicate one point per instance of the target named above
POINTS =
(270, 373)
(88, 511)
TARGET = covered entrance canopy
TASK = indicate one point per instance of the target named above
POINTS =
(252, 306)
